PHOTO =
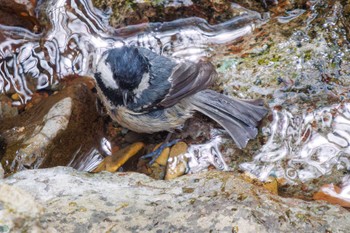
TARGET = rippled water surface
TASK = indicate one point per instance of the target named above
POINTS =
(303, 76)
(78, 34)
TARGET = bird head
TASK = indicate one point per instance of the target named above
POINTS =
(119, 73)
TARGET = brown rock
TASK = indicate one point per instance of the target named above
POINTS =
(114, 162)
(15, 96)
(13, 13)
(70, 146)
(177, 163)
(271, 185)
(163, 158)
(331, 194)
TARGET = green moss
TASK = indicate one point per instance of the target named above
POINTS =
(263, 61)
(307, 55)
(275, 58)
(192, 201)
(72, 204)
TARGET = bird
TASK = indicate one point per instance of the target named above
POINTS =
(146, 92)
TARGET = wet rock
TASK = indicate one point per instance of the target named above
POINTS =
(124, 202)
(54, 122)
(163, 158)
(177, 162)
(137, 12)
(15, 97)
(116, 160)
(271, 184)
(6, 109)
(19, 13)
(333, 194)
(51, 132)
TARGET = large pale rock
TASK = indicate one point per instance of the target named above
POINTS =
(131, 202)
(19, 212)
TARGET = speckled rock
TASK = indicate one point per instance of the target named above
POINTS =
(19, 211)
(130, 202)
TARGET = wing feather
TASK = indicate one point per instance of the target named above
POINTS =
(187, 79)
(170, 82)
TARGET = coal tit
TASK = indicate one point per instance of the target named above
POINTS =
(146, 93)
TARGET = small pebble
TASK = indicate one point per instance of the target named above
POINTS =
(177, 163)
(163, 158)
(116, 160)
(271, 185)
(15, 97)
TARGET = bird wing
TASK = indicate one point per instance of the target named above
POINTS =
(187, 79)
(169, 82)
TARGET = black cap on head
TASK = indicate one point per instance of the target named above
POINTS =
(128, 66)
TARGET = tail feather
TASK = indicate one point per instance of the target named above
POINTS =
(240, 118)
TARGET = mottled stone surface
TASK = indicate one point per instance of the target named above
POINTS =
(130, 202)
(19, 212)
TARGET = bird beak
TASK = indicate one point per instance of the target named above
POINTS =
(125, 97)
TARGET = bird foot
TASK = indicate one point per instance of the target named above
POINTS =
(155, 154)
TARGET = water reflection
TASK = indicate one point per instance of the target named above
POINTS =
(310, 132)
(201, 156)
(78, 33)
(305, 147)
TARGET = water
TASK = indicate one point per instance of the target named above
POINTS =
(77, 34)
(307, 140)
(305, 147)
(201, 156)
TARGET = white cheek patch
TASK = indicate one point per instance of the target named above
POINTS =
(144, 84)
(106, 74)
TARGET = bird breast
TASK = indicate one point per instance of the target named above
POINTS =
(153, 121)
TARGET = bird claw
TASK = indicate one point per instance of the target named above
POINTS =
(155, 154)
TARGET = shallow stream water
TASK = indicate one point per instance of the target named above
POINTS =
(77, 34)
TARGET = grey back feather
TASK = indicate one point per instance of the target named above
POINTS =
(170, 82)
(240, 118)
